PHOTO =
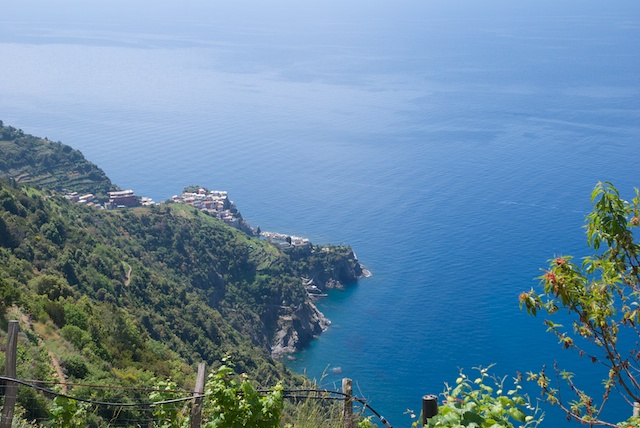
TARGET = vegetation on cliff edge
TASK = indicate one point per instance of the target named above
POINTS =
(126, 296)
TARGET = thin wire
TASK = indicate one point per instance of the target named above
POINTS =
(100, 403)
(91, 385)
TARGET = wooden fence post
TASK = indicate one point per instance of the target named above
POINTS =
(196, 407)
(11, 388)
(347, 407)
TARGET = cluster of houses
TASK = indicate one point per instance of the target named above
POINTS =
(215, 202)
(285, 241)
(88, 199)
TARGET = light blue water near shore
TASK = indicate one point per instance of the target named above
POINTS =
(453, 146)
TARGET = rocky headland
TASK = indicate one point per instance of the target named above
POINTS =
(327, 267)
(257, 288)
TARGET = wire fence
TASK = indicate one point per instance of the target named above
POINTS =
(43, 404)
(28, 403)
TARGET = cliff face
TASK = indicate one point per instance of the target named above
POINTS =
(297, 329)
(320, 268)
(344, 272)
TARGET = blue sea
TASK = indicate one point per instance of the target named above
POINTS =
(453, 144)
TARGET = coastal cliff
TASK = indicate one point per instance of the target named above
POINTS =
(321, 268)
(297, 329)
(328, 267)
(188, 277)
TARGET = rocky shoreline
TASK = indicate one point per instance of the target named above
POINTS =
(296, 330)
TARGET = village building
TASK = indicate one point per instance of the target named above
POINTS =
(123, 198)
(73, 196)
(87, 199)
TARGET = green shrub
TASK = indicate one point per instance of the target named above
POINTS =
(75, 366)
(75, 315)
(173, 414)
(485, 402)
(231, 401)
(67, 413)
(78, 337)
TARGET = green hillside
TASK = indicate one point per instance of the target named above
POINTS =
(126, 296)
(41, 162)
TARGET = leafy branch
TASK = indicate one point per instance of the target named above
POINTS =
(601, 298)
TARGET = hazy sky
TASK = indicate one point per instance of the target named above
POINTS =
(285, 10)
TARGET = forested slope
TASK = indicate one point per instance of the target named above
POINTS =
(124, 296)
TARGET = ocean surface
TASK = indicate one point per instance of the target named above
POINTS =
(454, 145)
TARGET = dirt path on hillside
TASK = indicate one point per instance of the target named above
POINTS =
(59, 371)
(26, 322)
(127, 276)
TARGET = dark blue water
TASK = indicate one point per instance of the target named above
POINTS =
(454, 146)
